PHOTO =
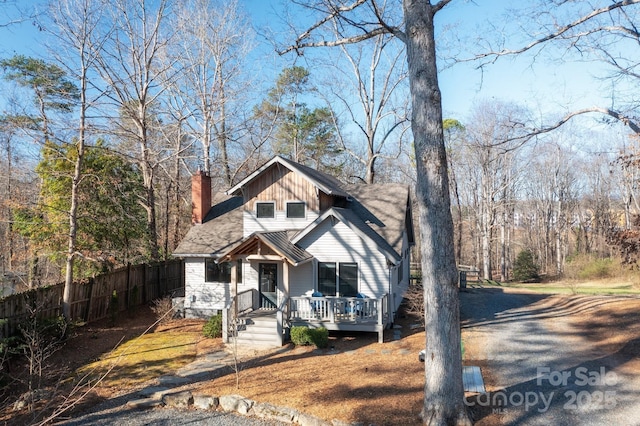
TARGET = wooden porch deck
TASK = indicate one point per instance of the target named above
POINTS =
(333, 313)
(340, 313)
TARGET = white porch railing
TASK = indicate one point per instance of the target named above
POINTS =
(339, 309)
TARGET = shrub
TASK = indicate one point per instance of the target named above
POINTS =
(213, 327)
(598, 268)
(525, 267)
(163, 308)
(588, 267)
(302, 336)
(319, 337)
(414, 302)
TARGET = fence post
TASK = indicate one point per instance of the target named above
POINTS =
(128, 285)
(158, 281)
(144, 284)
(88, 308)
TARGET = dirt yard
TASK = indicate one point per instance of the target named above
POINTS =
(355, 379)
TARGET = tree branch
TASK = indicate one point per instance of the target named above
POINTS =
(335, 13)
(556, 34)
(627, 121)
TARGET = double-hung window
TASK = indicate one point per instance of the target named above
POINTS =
(265, 210)
(348, 279)
(327, 278)
(296, 210)
(217, 272)
(239, 271)
(338, 279)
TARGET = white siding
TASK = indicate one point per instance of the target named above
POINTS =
(402, 287)
(201, 296)
(301, 279)
(333, 241)
(278, 223)
(249, 279)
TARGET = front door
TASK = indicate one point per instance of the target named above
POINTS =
(268, 283)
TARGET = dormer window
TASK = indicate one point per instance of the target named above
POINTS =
(265, 210)
(296, 210)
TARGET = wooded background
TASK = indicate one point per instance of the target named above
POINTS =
(101, 132)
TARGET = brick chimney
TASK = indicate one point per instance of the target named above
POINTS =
(200, 196)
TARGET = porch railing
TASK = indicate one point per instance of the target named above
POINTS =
(268, 301)
(339, 309)
(245, 301)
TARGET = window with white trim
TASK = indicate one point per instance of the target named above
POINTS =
(217, 272)
(265, 210)
(296, 210)
(338, 279)
(239, 271)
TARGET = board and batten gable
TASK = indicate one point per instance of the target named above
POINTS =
(279, 185)
(333, 241)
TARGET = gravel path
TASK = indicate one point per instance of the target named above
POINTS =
(166, 416)
(540, 370)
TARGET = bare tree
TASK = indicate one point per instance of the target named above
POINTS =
(214, 40)
(375, 76)
(454, 138)
(553, 192)
(603, 31)
(42, 338)
(495, 132)
(365, 19)
(130, 62)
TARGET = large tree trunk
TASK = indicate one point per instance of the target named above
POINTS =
(75, 186)
(443, 391)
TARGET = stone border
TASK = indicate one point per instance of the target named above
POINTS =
(231, 403)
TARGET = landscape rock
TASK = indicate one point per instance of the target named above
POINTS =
(305, 419)
(178, 399)
(143, 403)
(236, 403)
(205, 402)
(336, 422)
(31, 397)
(154, 391)
(273, 412)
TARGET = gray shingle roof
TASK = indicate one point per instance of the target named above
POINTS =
(377, 211)
(221, 230)
(384, 208)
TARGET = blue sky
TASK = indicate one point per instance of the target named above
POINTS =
(543, 86)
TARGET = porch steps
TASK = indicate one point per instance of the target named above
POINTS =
(259, 328)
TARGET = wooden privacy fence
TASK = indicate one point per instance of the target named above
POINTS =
(98, 297)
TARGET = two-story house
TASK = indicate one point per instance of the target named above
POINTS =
(289, 245)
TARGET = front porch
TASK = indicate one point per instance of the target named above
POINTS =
(341, 313)
(333, 313)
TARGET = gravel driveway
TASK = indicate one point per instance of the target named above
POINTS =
(538, 369)
(167, 417)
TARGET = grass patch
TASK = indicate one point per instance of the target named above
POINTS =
(144, 358)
